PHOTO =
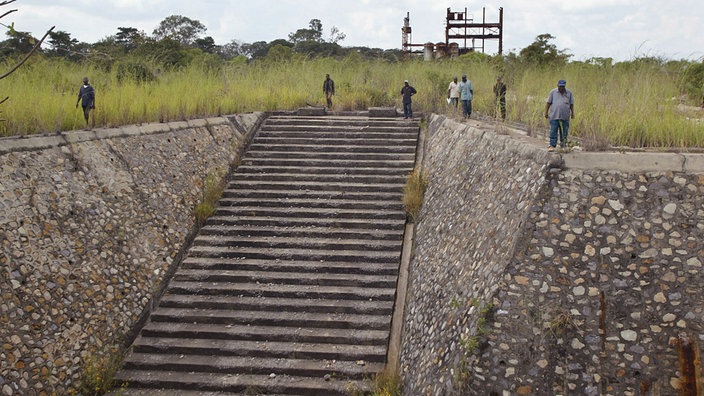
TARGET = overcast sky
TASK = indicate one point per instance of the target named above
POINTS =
(620, 29)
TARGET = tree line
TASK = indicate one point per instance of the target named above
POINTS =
(179, 41)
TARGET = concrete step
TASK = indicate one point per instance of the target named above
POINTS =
(318, 203)
(261, 152)
(310, 213)
(306, 266)
(240, 384)
(341, 133)
(314, 185)
(281, 291)
(246, 365)
(283, 350)
(329, 149)
(172, 300)
(378, 224)
(305, 232)
(295, 254)
(348, 164)
(288, 278)
(398, 180)
(336, 139)
(322, 170)
(293, 243)
(233, 192)
(265, 333)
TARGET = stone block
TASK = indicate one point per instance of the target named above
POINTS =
(382, 112)
(311, 111)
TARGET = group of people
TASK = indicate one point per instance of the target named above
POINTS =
(559, 107)
(464, 92)
(461, 92)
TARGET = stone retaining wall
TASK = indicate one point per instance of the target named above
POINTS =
(532, 277)
(91, 222)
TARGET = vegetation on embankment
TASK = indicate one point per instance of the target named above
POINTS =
(636, 103)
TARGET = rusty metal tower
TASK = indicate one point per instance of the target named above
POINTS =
(459, 26)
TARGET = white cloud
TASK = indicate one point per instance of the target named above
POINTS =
(607, 28)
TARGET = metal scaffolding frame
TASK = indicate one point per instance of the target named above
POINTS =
(459, 27)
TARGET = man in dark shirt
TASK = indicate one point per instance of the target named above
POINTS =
(86, 97)
(500, 96)
(328, 89)
(407, 91)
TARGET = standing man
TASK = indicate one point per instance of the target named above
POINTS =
(328, 89)
(559, 109)
(407, 91)
(453, 93)
(500, 97)
(86, 96)
(466, 94)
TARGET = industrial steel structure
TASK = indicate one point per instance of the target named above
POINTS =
(462, 34)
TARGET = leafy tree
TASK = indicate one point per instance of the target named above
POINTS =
(257, 49)
(129, 38)
(17, 43)
(279, 53)
(166, 52)
(231, 50)
(62, 44)
(313, 33)
(543, 52)
(206, 44)
(179, 28)
(314, 48)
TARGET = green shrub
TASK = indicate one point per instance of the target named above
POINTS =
(133, 71)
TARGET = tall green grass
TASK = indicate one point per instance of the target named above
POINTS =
(626, 106)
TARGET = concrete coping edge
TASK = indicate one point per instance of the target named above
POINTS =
(41, 142)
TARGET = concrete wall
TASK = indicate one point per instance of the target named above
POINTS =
(90, 224)
(540, 274)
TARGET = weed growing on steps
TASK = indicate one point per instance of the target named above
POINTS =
(213, 187)
(413, 193)
(385, 383)
(99, 369)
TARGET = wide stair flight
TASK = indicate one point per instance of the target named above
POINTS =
(289, 288)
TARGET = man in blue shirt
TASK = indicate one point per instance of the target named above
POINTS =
(559, 109)
(466, 94)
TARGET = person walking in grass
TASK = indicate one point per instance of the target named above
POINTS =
(453, 93)
(466, 95)
(86, 97)
(559, 109)
(406, 92)
(500, 97)
(328, 89)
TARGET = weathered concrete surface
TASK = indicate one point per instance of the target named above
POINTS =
(90, 224)
(382, 112)
(537, 273)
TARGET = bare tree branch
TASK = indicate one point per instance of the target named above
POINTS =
(5, 14)
(28, 55)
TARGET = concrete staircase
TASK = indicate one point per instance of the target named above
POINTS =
(289, 288)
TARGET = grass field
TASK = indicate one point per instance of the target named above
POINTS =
(636, 106)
